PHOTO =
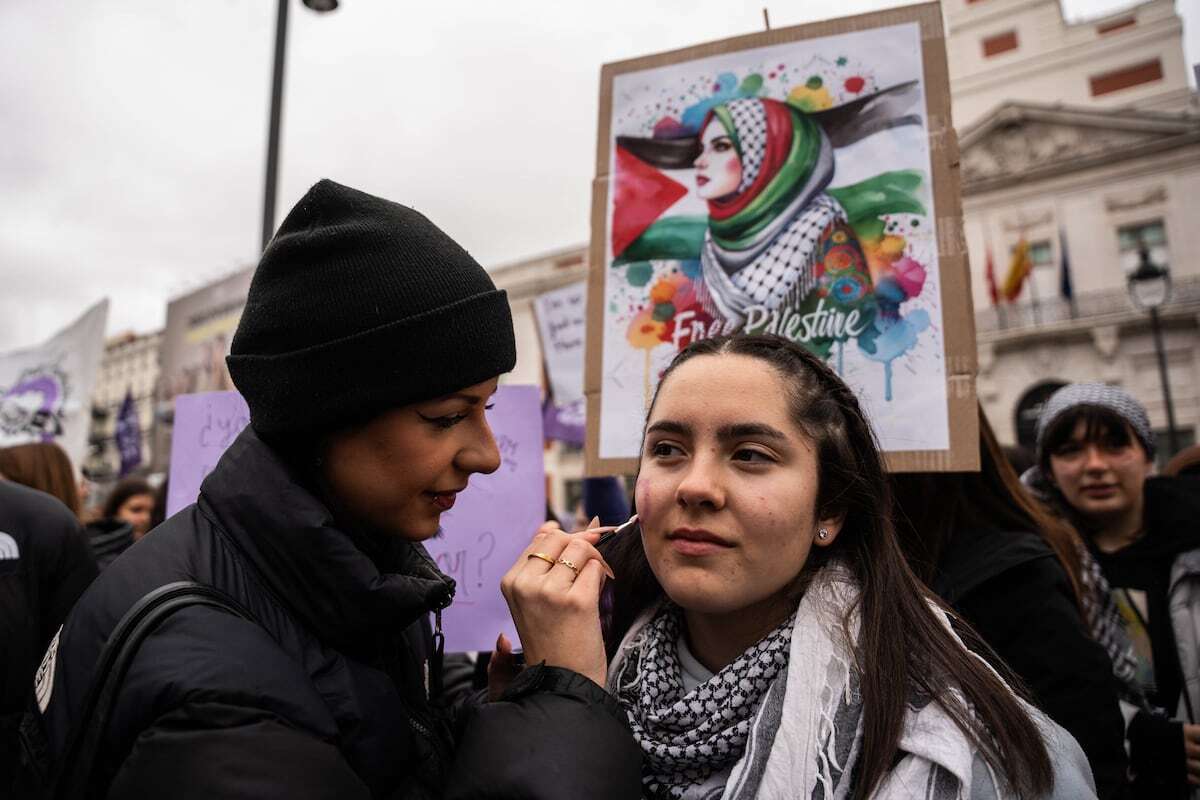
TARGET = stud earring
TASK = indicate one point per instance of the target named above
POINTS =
(822, 534)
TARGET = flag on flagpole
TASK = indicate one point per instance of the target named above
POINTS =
(129, 435)
(990, 275)
(1018, 271)
(1064, 283)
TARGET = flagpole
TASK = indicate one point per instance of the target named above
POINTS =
(1033, 295)
(990, 278)
(1066, 286)
(1030, 277)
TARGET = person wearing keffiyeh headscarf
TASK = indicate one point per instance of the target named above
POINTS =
(767, 234)
(777, 234)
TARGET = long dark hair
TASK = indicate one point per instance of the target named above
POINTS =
(902, 645)
(992, 499)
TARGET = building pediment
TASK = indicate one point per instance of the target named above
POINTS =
(1019, 142)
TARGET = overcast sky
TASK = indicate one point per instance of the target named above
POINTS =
(133, 134)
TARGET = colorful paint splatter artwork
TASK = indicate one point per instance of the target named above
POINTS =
(785, 190)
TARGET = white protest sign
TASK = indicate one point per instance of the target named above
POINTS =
(46, 390)
(561, 316)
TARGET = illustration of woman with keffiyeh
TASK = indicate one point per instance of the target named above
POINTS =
(777, 236)
(766, 231)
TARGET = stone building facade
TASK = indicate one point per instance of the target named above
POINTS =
(130, 365)
(1024, 50)
(1087, 186)
(1068, 144)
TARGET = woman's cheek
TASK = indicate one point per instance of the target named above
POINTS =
(733, 169)
(649, 495)
(641, 496)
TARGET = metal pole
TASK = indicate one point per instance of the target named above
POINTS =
(1172, 438)
(268, 227)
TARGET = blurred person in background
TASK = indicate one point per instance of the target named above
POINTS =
(45, 565)
(603, 501)
(131, 501)
(125, 518)
(1019, 457)
(43, 466)
(983, 544)
(1095, 464)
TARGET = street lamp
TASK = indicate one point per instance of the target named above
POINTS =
(320, 6)
(1149, 288)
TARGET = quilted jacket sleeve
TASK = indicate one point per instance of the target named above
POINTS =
(553, 734)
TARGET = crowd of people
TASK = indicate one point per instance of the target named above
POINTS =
(785, 618)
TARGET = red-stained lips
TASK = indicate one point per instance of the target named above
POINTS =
(443, 500)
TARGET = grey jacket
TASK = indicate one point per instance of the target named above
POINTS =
(1183, 598)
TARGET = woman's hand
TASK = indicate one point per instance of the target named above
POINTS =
(1191, 751)
(556, 605)
(502, 668)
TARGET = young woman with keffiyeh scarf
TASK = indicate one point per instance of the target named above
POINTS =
(766, 637)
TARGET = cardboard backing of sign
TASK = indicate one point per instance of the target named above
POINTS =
(956, 305)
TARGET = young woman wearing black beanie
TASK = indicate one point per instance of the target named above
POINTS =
(368, 351)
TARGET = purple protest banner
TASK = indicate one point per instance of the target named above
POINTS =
(205, 424)
(129, 435)
(483, 534)
(565, 423)
(492, 522)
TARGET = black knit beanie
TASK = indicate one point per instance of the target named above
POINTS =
(360, 305)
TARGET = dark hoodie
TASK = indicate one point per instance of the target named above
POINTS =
(44, 566)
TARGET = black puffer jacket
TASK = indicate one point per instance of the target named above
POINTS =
(45, 565)
(324, 694)
(108, 538)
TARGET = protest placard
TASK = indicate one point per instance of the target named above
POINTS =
(205, 425)
(561, 315)
(46, 390)
(492, 522)
(481, 537)
(801, 182)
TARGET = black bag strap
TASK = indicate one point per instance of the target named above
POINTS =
(88, 733)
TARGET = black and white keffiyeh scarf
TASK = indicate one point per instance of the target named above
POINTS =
(788, 723)
(776, 266)
(780, 273)
(688, 737)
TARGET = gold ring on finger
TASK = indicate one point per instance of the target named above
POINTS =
(547, 558)
(569, 565)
